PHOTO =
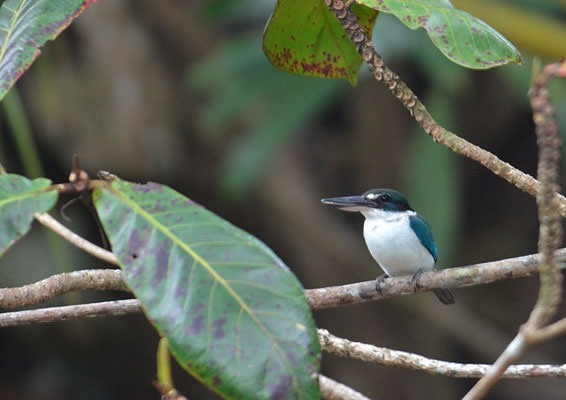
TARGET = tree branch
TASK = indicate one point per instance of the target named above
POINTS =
(550, 237)
(55, 314)
(330, 343)
(401, 359)
(488, 272)
(75, 239)
(335, 296)
(332, 390)
(419, 112)
(57, 285)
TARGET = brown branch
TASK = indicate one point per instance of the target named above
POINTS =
(448, 278)
(55, 314)
(550, 231)
(335, 296)
(75, 239)
(401, 359)
(56, 285)
(419, 112)
(330, 343)
(550, 237)
(332, 390)
(548, 332)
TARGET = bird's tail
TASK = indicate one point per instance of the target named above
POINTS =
(444, 296)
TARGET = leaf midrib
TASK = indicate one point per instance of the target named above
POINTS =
(21, 197)
(453, 11)
(11, 30)
(176, 240)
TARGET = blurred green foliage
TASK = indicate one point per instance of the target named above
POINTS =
(275, 107)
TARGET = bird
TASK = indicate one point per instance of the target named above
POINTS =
(398, 238)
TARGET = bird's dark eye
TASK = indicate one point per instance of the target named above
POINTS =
(384, 198)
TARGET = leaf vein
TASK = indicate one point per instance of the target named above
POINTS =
(217, 277)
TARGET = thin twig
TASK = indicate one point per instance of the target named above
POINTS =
(75, 239)
(56, 314)
(550, 237)
(401, 359)
(419, 112)
(332, 390)
(548, 332)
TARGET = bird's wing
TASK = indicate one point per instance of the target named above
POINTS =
(424, 233)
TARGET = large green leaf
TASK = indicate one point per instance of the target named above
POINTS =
(461, 37)
(20, 199)
(303, 37)
(234, 315)
(25, 25)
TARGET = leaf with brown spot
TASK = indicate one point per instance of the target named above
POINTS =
(303, 37)
(234, 315)
(463, 38)
(25, 25)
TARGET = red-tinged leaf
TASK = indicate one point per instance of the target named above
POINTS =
(234, 315)
(303, 37)
(25, 25)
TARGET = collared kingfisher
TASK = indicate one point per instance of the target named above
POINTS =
(398, 238)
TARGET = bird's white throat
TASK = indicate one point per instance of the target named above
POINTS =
(393, 243)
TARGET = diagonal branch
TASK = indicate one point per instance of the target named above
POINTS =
(332, 390)
(418, 111)
(75, 239)
(550, 237)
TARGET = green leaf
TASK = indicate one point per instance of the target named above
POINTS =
(461, 37)
(304, 37)
(20, 199)
(234, 315)
(25, 25)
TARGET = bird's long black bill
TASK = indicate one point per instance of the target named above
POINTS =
(445, 296)
(349, 203)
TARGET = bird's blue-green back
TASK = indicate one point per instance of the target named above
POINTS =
(424, 233)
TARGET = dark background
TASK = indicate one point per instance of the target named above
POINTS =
(179, 92)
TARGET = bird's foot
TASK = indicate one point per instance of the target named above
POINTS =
(417, 278)
(379, 283)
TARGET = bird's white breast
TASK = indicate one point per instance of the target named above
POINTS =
(393, 244)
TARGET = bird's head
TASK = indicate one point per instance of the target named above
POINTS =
(388, 200)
